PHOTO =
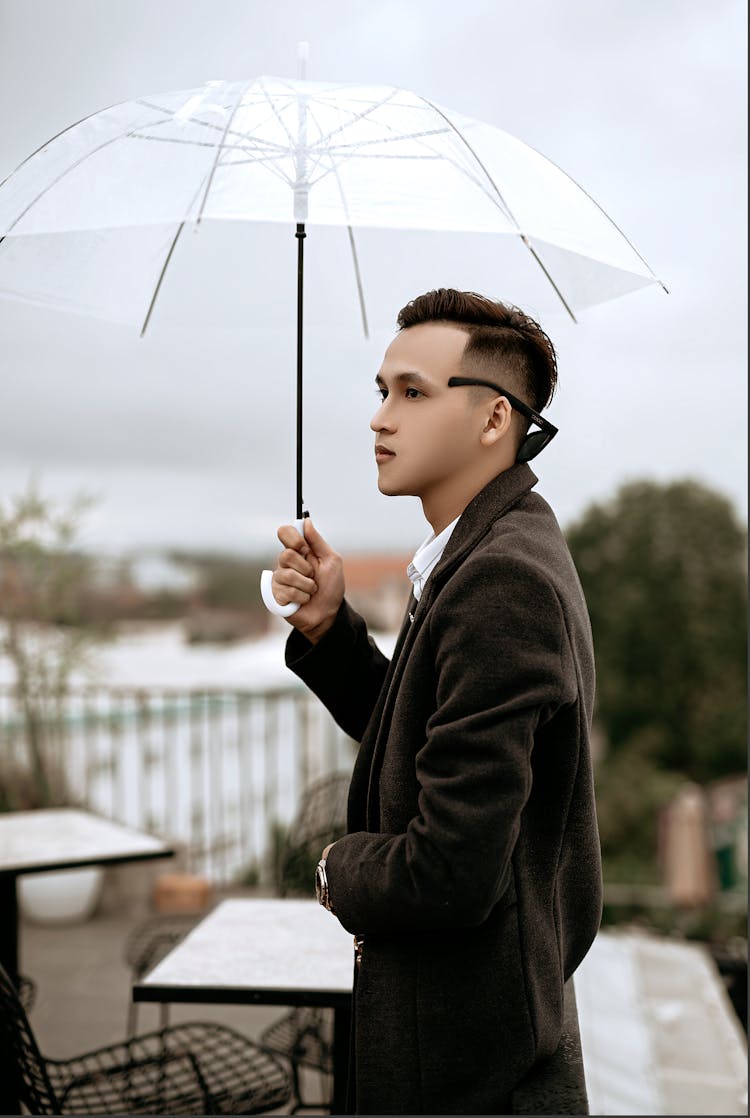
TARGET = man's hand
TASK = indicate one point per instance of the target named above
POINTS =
(311, 573)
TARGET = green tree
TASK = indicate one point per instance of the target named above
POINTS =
(663, 567)
(43, 580)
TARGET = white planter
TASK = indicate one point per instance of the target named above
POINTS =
(61, 896)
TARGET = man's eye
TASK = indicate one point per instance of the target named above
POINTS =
(381, 392)
(412, 393)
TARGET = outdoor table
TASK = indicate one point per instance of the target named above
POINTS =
(264, 952)
(56, 839)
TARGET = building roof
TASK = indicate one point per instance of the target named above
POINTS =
(369, 571)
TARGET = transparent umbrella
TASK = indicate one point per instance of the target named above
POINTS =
(92, 221)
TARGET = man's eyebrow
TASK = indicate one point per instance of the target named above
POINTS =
(411, 377)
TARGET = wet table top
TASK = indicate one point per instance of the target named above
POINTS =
(272, 952)
(62, 838)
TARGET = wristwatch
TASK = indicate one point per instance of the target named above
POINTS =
(321, 885)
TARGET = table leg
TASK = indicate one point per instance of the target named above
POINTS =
(9, 925)
(342, 1020)
(9, 1103)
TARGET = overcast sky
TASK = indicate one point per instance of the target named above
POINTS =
(187, 437)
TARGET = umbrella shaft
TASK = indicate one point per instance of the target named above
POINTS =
(300, 235)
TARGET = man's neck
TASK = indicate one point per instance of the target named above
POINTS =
(441, 509)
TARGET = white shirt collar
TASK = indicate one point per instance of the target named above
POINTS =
(427, 557)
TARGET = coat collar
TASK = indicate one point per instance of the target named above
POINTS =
(482, 511)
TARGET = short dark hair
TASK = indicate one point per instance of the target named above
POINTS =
(502, 339)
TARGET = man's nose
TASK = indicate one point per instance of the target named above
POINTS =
(382, 420)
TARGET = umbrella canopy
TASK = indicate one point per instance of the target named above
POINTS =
(277, 150)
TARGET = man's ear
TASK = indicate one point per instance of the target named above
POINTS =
(498, 422)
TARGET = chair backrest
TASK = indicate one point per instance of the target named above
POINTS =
(322, 810)
(19, 1053)
(320, 819)
(153, 938)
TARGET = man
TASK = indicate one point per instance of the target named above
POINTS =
(471, 873)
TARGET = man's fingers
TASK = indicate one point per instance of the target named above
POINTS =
(290, 559)
(292, 585)
(316, 541)
(284, 595)
(290, 537)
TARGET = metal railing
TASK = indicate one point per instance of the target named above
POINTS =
(212, 770)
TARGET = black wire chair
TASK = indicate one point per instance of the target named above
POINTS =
(320, 819)
(26, 988)
(304, 1036)
(146, 945)
(194, 1068)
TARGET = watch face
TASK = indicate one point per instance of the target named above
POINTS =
(320, 884)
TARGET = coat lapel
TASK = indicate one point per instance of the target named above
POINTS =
(360, 790)
(492, 502)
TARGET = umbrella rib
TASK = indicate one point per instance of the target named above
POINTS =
(56, 137)
(420, 137)
(282, 122)
(356, 117)
(241, 143)
(358, 279)
(167, 260)
(462, 169)
(349, 151)
(322, 144)
(215, 163)
(397, 138)
(58, 178)
(505, 206)
(127, 134)
(269, 159)
(270, 163)
(541, 264)
(242, 137)
(609, 219)
(323, 99)
(164, 267)
(352, 244)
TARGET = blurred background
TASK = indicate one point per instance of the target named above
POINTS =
(142, 480)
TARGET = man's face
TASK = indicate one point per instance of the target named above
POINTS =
(426, 434)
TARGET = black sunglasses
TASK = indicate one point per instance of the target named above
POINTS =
(535, 440)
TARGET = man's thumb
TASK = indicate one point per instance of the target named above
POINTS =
(315, 540)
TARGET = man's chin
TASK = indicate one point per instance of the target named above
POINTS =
(394, 490)
(385, 489)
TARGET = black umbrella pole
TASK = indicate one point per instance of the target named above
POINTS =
(300, 235)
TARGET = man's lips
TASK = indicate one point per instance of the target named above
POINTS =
(382, 453)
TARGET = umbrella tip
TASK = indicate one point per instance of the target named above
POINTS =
(303, 53)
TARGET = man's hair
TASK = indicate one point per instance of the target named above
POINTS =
(503, 344)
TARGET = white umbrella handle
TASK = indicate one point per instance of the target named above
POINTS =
(267, 593)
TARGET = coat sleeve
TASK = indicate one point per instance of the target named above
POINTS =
(345, 669)
(503, 666)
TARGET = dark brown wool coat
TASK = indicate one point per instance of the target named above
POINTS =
(472, 866)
